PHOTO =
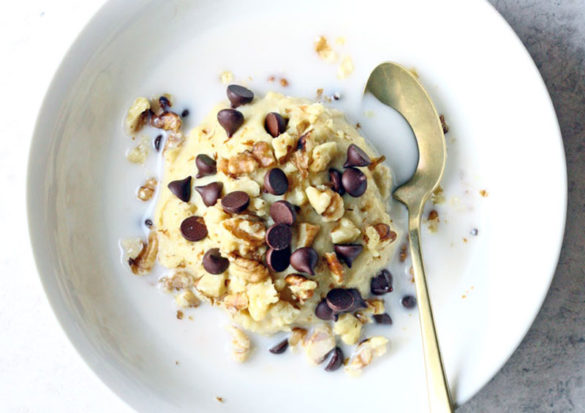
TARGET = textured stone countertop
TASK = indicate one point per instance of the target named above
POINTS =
(547, 371)
(40, 370)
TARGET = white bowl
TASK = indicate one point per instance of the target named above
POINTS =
(80, 192)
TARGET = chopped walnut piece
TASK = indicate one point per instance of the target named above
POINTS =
(344, 231)
(335, 267)
(241, 164)
(138, 154)
(131, 247)
(375, 162)
(179, 280)
(298, 334)
(322, 155)
(249, 270)
(365, 352)
(385, 233)
(335, 210)
(284, 144)
(326, 203)
(235, 302)
(186, 299)
(167, 121)
(306, 234)
(483, 193)
(137, 115)
(324, 50)
(146, 191)
(144, 262)
(375, 306)
(319, 343)
(301, 287)
(301, 160)
(241, 344)
(349, 328)
(263, 154)
(248, 234)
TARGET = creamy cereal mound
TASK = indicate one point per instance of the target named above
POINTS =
(276, 210)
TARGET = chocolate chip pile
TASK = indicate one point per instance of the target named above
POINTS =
(287, 222)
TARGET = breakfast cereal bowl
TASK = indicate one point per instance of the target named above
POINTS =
(82, 193)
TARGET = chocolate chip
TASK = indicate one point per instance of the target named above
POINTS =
(181, 188)
(210, 193)
(335, 360)
(164, 103)
(185, 113)
(354, 182)
(235, 202)
(382, 319)
(193, 228)
(381, 283)
(239, 95)
(279, 236)
(282, 212)
(358, 301)
(275, 124)
(348, 252)
(157, 141)
(356, 157)
(148, 222)
(408, 301)
(280, 347)
(278, 261)
(304, 260)
(230, 120)
(324, 312)
(335, 178)
(275, 181)
(340, 300)
(205, 165)
(214, 263)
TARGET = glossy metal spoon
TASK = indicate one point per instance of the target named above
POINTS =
(397, 87)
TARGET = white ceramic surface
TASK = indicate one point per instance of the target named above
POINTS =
(503, 135)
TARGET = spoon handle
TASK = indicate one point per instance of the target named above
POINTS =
(438, 391)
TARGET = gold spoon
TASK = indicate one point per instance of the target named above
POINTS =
(397, 87)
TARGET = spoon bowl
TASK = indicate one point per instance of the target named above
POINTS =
(397, 87)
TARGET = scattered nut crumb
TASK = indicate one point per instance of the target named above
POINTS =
(219, 399)
(138, 154)
(358, 125)
(283, 82)
(465, 240)
(146, 191)
(483, 193)
(226, 77)
(271, 78)
(345, 68)
(444, 124)
(176, 362)
(340, 40)
(324, 50)
(179, 315)
(433, 220)
(403, 252)
(437, 196)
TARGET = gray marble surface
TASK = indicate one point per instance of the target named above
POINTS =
(547, 372)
